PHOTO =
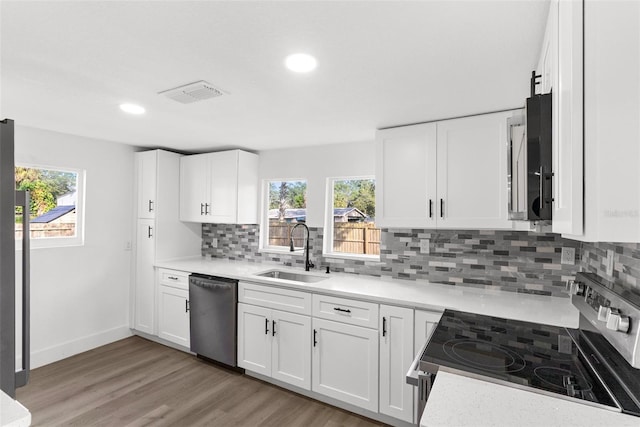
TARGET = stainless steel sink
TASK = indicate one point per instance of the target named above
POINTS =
(288, 275)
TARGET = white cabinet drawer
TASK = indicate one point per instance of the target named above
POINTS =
(175, 278)
(346, 310)
(273, 297)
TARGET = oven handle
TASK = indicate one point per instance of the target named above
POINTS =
(413, 372)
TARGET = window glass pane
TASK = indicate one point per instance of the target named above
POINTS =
(287, 207)
(354, 211)
(54, 198)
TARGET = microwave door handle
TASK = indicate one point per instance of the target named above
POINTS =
(541, 189)
(22, 376)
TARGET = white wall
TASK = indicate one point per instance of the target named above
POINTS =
(316, 164)
(80, 294)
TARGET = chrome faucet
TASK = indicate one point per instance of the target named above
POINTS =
(307, 263)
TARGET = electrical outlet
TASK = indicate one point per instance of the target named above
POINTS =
(568, 256)
(609, 263)
(127, 245)
(214, 243)
(424, 246)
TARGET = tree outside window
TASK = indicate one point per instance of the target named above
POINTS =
(287, 207)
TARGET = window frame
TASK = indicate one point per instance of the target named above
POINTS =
(57, 242)
(327, 245)
(264, 218)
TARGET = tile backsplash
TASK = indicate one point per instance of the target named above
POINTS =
(626, 262)
(515, 261)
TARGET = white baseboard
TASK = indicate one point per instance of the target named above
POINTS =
(62, 351)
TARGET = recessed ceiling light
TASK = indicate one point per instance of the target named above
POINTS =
(301, 62)
(132, 108)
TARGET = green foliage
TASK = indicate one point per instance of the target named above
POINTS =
(45, 186)
(287, 195)
(356, 193)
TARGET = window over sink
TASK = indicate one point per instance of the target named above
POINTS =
(286, 206)
(350, 229)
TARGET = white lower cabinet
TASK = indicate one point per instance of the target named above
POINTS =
(275, 343)
(396, 356)
(345, 363)
(144, 308)
(173, 319)
(425, 324)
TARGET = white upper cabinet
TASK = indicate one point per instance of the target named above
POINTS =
(448, 174)
(147, 183)
(611, 112)
(406, 176)
(219, 188)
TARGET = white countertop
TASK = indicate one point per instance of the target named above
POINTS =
(431, 296)
(466, 402)
(12, 413)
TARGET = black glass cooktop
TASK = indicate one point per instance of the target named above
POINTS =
(527, 355)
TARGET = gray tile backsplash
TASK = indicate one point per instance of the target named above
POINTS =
(509, 260)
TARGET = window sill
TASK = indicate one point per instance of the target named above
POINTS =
(283, 251)
(354, 257)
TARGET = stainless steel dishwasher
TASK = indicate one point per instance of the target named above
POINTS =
(213, 303)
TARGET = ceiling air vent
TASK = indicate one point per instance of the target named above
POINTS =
(192, 92)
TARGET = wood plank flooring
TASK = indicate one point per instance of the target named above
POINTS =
(135, 382)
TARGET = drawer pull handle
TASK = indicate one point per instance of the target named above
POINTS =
(342, 309)
(172, 278)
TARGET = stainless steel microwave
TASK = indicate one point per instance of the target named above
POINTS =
(530, 161)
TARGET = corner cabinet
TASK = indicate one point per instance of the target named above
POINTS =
(447, 174)
(219, 187)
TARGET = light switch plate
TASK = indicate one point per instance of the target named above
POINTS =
(214, 243)
(608, 265)
(424, 246)
(568, 256)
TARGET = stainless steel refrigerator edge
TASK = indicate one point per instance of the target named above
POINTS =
(9, 198)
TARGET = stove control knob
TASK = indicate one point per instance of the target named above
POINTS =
(602, 313)
(617, 321)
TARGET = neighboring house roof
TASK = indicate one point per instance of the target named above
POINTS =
(302, 213)
(53, 214)
(347, 211)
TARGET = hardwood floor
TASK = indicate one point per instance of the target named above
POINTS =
(136, 382)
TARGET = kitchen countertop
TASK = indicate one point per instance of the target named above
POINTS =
(12, 413)
(432, 296)
(466, 402)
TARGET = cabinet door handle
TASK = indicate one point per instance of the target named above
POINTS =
(266, 326)
(541, 188)
(315, 334)
(201, 208)
(342, 309)
(149, 231)
(150, 205)
(273, 328)
(441, 208)
(206, 209)
(430, 208)
(186, 306)
(384, 326)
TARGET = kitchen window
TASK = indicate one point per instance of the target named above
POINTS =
(286, 206)
(56, 206)
(350, 229)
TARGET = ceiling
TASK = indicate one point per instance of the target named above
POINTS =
(66, 66)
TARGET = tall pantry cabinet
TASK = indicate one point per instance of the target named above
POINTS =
(159, 232)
